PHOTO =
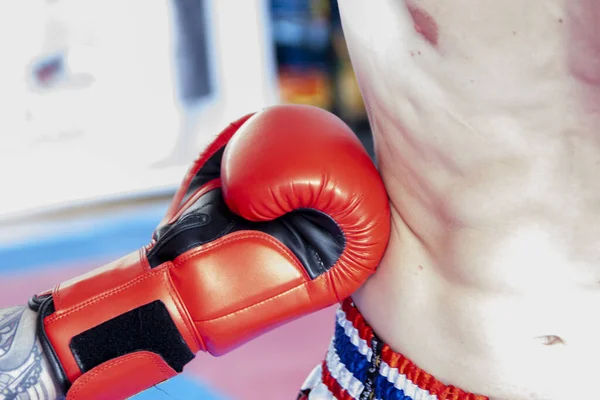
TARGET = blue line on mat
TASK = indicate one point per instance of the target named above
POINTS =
(180, 387)
(84, 241)
(93, 239)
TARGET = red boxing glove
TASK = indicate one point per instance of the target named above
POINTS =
(282, 215)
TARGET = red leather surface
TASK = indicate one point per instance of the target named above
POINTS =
(314, 161)
(65, 323)
(227, 292)
(226, 276)
(99, 280)
(121, 378)
(224, 334)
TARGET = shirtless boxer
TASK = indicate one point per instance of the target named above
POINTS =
(484, 115)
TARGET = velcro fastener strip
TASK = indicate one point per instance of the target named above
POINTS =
(146, 328)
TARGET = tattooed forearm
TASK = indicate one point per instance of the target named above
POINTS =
(24, 373)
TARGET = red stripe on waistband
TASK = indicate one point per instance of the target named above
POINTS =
(333, 385)
(406, 367)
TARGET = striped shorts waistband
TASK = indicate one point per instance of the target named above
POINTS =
(358, 366)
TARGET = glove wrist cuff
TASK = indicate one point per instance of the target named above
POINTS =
(44, 306)
(142, 345)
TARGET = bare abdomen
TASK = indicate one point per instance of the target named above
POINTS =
(487, 135)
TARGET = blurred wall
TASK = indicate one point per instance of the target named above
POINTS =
(105, 103)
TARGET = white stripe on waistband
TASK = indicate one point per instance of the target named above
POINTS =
(341, 374)
(399, 380)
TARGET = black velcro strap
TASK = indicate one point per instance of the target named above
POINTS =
(146, 328)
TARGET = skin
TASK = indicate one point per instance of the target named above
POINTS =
(485, 117)
(24, 372)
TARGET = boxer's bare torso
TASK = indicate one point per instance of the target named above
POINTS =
(486, 116)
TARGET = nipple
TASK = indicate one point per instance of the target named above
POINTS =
(424, 24)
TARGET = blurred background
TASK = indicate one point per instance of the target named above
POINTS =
(104, 104)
